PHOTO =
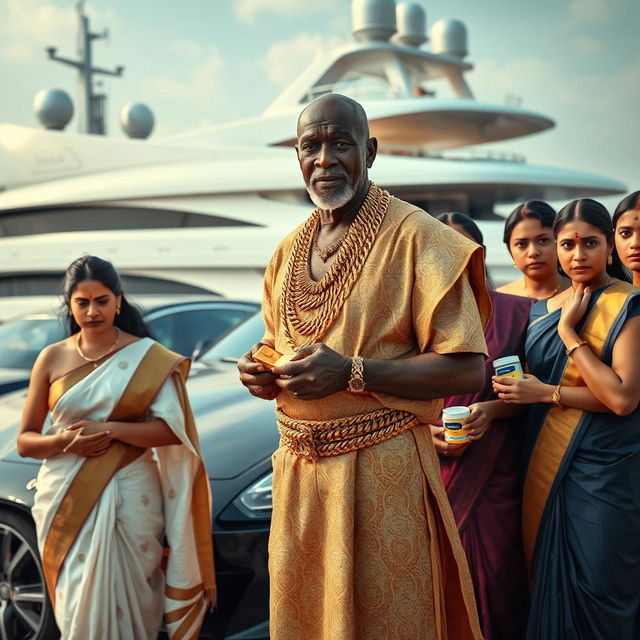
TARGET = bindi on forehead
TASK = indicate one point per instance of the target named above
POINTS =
(577, 236)
(91, 290)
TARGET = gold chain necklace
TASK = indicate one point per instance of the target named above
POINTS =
(309, 308)
(325, 254)
(528, 295)
(104, 355)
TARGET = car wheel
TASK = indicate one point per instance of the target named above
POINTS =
(25, 612)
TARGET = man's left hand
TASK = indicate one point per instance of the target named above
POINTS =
(314, 372)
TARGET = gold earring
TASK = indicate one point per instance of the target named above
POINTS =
(118, 311)
(610, 260)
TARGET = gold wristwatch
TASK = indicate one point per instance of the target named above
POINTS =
(356, 381)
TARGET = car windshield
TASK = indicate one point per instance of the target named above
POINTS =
(237, 341)
(22, 340)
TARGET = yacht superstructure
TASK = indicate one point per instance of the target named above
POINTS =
(206, 209)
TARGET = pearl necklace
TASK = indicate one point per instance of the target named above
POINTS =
(104, 355)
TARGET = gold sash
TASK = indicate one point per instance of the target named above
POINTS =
(561, 423)
(312, 439)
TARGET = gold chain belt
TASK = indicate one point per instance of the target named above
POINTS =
(312, 439)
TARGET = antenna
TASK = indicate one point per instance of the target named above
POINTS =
(91, 106)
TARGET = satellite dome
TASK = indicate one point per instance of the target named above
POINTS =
(373, 19)
(412, 24)
(137, 120)
(53, 108)
(449, 37)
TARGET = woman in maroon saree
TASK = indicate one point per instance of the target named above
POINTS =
(483, 478)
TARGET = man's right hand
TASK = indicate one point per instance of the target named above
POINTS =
(256, 377)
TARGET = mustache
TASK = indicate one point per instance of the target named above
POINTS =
(324, 174)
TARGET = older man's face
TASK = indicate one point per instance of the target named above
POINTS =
(334, 155)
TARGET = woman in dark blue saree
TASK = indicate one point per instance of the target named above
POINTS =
(581, 503)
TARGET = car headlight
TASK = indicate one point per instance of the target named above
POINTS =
(254, 504)
(258, 497)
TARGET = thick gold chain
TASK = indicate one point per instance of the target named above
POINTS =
(322, 301)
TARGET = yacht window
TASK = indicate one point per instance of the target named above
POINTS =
(44, 284)
(23, 222)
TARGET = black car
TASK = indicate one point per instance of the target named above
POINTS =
(185, 326)
(238, 436)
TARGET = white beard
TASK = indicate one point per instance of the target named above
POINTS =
(334, 201)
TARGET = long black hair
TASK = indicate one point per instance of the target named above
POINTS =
(630, 203)
(464, 221)
(595, 214)
(92, 268)
(536, 209)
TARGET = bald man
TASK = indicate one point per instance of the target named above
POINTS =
(379, 312)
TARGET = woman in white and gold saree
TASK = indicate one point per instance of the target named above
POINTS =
(122, 470)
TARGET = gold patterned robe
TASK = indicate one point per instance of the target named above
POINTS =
(363, 545)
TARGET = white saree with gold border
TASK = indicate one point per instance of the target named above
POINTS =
(101, 521)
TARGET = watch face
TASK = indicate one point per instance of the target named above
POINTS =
(356, 384)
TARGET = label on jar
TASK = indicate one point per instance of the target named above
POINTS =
(509, 371)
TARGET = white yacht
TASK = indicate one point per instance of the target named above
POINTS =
(205, 210)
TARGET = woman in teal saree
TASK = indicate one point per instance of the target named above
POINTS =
(581, 504)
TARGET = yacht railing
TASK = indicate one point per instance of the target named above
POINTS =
(356, 89)
(469, 155)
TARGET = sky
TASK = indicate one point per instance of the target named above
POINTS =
(212, 61)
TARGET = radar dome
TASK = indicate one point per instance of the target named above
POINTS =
(137, 120)
(449, 37)
(412, 24)
(373, 19)
(53, 108)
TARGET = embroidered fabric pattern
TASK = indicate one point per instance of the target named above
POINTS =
(325, 298)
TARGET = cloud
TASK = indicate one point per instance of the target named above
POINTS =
(582, 12)
(595, 111)
(493, 81)
(199, 82)
(285, 59)
(27, 26)
(187, 99)
(189, 48)
(247, 10)
(549, 87)
(588, 45)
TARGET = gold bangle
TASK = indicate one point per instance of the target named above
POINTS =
(555, 396)
(573, 347)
